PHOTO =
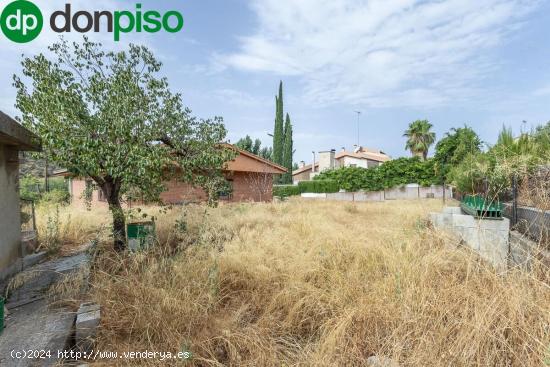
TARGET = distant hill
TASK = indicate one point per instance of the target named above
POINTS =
(30, 166)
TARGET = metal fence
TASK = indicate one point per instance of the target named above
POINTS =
(532, 222)
(28, 218)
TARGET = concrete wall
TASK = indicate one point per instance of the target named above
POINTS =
(527, 254)
(10, 219)
(532, 222)
(311, 195)
(341, 196)
(369, 196)
(403, 192)
(489, 238)
(406, 192)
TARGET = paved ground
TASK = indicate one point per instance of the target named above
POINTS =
(33, 326)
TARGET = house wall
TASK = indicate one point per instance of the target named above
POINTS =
(302, 176)
(10, 220)
(250, 186)
(358, 162)
(180, 192)
(77, 186)
(247, 186)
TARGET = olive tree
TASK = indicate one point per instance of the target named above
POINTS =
(109, 116)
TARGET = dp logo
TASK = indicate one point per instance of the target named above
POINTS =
(21, 21)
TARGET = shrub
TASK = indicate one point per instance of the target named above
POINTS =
(284, 191)
(29, 188)
(390, 174)
(319, 186)
(55, 197)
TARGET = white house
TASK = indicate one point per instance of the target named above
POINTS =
(358, 157)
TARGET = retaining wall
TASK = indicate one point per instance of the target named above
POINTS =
(532, 222)
(489, 238)
(406, 192)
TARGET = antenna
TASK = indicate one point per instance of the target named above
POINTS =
(358, 114)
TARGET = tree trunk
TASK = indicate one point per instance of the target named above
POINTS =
(112, 192)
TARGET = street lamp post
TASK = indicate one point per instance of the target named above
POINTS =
(358, 114)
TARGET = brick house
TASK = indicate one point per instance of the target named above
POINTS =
(249, 176)
(13, 139)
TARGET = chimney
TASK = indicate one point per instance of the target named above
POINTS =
(326, 160)
(356, 148)
(302, 164)
(343, 149)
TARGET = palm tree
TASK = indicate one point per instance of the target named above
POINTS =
(419, 138)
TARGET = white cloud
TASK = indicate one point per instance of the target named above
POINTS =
(380, 52)
(542, 92)
(241, 99)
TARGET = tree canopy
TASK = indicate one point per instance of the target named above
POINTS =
(491, 172)
(288, 151)
(108, 115)
(278, 130)
(254, 147)
(454, 147)
(419, 138)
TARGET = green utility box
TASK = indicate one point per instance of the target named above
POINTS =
(140, 235)
(481, 207)
(1, 314)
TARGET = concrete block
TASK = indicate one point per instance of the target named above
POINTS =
(452, 210)
(311, 195)
(369, 196)
(88, 307)
(87, 322)
(34, 259)
(464, 220)
(340, 196)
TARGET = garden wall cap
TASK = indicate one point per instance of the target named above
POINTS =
(13, 134)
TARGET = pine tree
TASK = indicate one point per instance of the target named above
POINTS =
(287, 151)
(278, 132)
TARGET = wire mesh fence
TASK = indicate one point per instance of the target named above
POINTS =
(28, 217)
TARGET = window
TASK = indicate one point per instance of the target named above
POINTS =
(227, 192)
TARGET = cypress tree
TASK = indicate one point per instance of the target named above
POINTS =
(287, 151)
(278, 137)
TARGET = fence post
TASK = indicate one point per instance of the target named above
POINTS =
(514, 200)
(33, 217)
(444, 194)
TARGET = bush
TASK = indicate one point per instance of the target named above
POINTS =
(390, 174)
(29, 188)
(319, 186)
(284, 191)
(55, 197)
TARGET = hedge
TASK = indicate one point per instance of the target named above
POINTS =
(390, 174)
(317, 186)
(284, 191)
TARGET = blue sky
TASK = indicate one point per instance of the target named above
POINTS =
(484, 63)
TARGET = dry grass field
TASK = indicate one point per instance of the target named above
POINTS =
(304, 283)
